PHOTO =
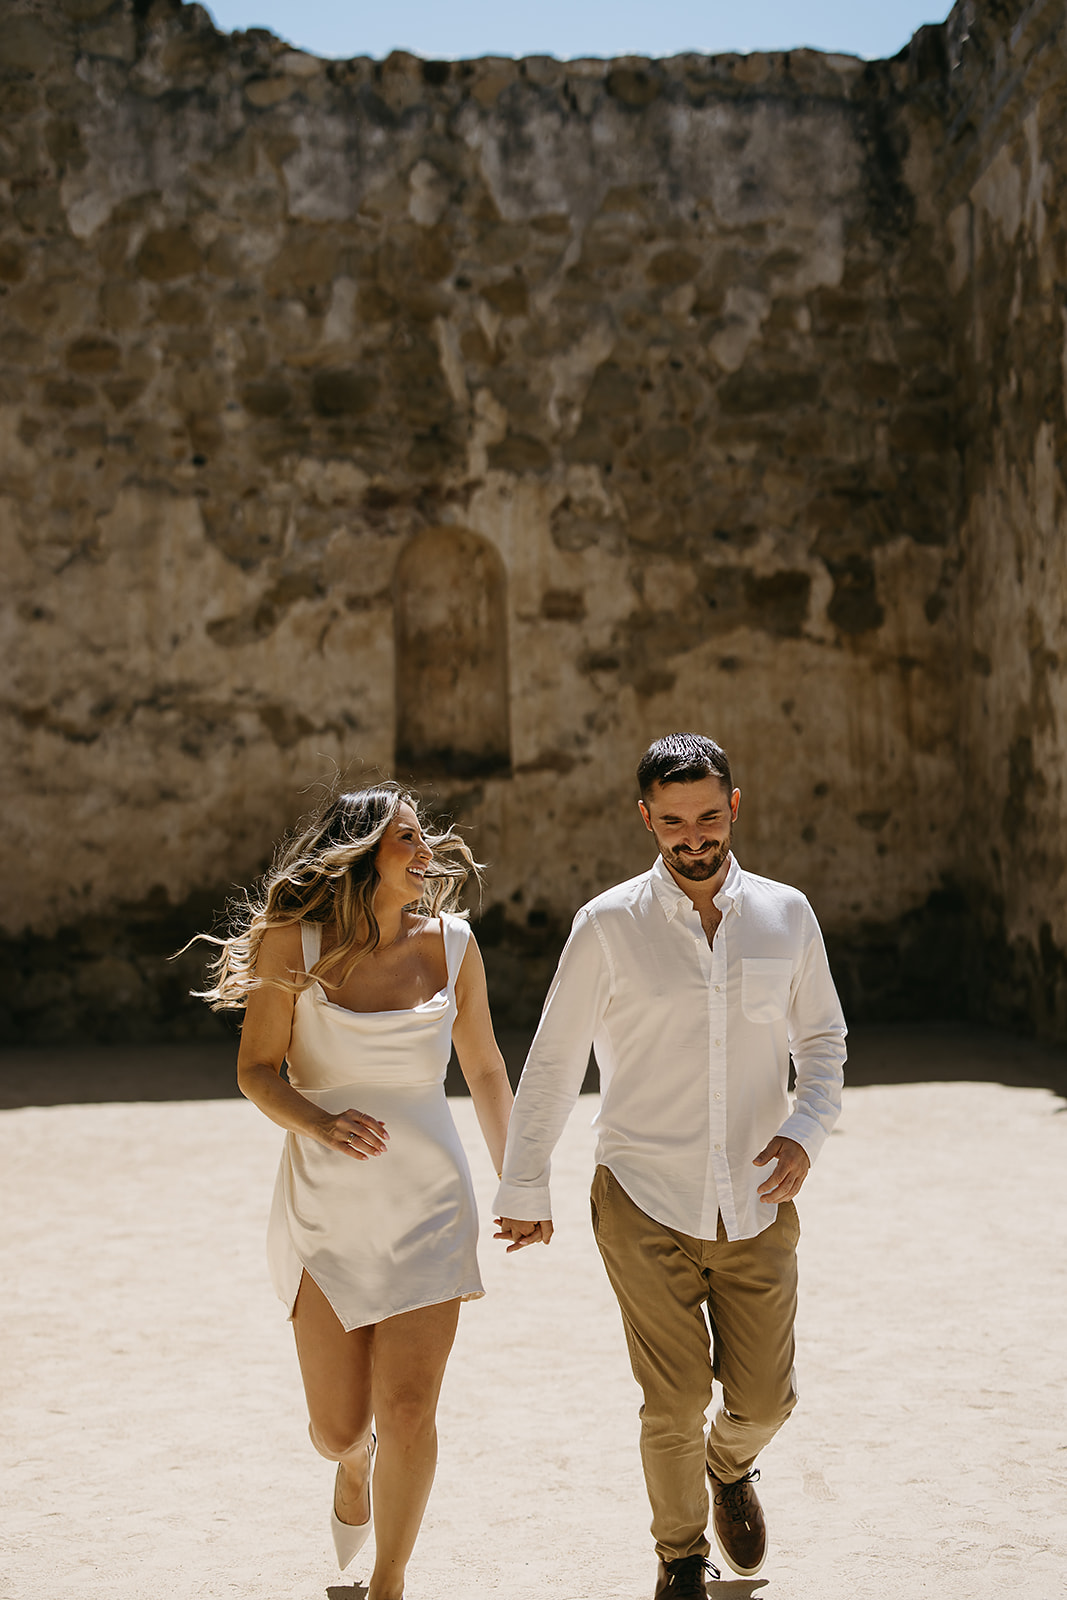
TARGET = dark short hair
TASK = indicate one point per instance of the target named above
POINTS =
(682, 758)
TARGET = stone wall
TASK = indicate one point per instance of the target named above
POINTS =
(1001, 188)
(479, 421)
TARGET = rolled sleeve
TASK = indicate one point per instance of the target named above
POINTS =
(554, 1072)
(817, 1044)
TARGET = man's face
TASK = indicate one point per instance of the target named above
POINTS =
(693, 825)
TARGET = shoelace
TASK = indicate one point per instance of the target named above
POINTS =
(731, 1495)
(697, 1571)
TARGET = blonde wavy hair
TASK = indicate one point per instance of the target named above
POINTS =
(325, 872)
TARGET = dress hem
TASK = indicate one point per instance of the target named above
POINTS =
(462, 1295)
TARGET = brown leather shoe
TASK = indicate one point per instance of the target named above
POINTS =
(684, 1579)
(737, 1517)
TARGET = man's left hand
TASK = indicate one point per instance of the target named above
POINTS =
(793, 1165)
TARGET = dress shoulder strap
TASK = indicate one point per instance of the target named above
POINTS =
(310, 943)
(457, 933)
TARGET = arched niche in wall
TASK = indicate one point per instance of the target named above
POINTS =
(451, 656)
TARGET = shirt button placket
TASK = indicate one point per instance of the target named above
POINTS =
(718, 1166)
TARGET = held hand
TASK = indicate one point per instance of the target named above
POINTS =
(522, 1233)
(793, 1164)
(353, 1133)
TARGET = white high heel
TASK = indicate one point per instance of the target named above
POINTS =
(350, 1537)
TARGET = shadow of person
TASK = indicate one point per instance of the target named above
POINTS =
(347, 1591)
(735, 1588)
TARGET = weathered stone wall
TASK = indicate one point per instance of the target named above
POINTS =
(478, 421)
(1001, 188)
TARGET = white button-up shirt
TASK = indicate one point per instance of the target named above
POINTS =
(693, 1044)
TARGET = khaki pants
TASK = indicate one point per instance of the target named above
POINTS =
(663, 1281)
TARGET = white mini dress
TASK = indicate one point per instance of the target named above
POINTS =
(400, 1230)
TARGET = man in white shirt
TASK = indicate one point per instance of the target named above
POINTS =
(694, 983)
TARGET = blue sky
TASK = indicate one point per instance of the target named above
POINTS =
(566, 28)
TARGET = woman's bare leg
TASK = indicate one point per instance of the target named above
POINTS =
(390, 1372)
(336, 1368)
(410, 1352)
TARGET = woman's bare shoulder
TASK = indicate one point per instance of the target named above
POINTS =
(281, 949)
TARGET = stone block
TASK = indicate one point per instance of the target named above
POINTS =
(601, 248)
(64, 144)
(86, 436)
(120, 303)
(563, 605)
(21, 349)
(27, 44)
(18, 98)
(273, 91)
(877, 380)
(433, 454)
(612, 393)
(433, 257)
(179, 306)
(591, 444)
(272, 397)
(476, 348)
(168, 253)
(634, 86)
(519, 453)
(499, 244)
(67, 394)
(340, 392)
(37, 207)
(931, 383)
(748, 392)
(12, 262)
(115, 38)
(831, 310)
(658, 446)
(190, 343)
(924, 430)
(375, 304)
(510, 297)
(122, 392)
(671, 267)
(493, 74)
(93, 355)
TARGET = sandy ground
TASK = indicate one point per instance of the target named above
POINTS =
(154, 1439)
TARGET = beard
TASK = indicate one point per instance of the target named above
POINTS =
(698, 869)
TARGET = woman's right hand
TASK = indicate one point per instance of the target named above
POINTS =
(353, 1133)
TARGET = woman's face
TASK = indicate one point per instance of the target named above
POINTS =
(402, 858)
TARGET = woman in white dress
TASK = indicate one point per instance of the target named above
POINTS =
(353, 973)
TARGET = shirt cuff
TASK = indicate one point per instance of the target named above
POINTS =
(808, 1133)
(522, 1203)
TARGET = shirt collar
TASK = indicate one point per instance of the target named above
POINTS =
(673, 899)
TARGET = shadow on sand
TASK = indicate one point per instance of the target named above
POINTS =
(879, 1053)
(728, 1589)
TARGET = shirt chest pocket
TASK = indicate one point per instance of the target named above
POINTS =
(765, 987)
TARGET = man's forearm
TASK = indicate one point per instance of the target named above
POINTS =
(552, 1078)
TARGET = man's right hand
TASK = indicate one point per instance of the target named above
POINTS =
(521, 1233)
